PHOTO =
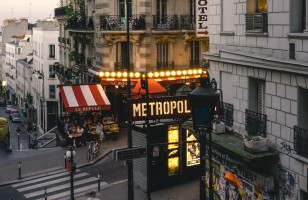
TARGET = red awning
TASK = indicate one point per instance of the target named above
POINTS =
(80, 98)
(155, 89)
(168, 80)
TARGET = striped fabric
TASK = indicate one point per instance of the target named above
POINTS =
(80, 98)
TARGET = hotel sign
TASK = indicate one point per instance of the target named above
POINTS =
(202, 18)
(160, 108)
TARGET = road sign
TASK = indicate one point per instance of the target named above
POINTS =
(129, 153)
(70, 166)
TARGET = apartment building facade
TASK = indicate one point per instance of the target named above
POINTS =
(258, 56)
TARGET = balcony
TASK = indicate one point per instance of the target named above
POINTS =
(63, 73)
(59, 39)
(301, 141)
(60, 12)
(256, 23)
(117, 23)
(168, 22)
(81, 23)
(188, 22)
(255, 123)
(68, 41)
(226, 113)
(122, 66)
(165, 65)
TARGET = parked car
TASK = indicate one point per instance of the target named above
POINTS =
(16, 117)
(8, 108)
(12, 112)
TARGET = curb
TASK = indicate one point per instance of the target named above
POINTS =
(55, 172)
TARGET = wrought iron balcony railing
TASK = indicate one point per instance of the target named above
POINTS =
(117, 23)
(81, 23)
(122, 66)
(165, 65)
(59, 39)
(63, 40)
(301, 141)
(255, 123)
(60, 71)
(195, 63)
(188, 22)
(256, 23)
(60, 12)
(226, 113)
(168, 22)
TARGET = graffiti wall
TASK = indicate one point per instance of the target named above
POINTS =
(225, 190)
(288, 189)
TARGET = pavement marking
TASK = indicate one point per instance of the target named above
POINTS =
(60, 187)
(41, 179)
(67, 178)
(43, 171)
(67, 193)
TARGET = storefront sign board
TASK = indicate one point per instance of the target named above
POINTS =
(160, 108)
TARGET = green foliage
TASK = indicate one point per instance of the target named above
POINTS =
(70, 12)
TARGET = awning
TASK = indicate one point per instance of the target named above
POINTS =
(80, 98)
(155, 89)
(167, 80)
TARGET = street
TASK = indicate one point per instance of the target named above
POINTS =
(58, 185)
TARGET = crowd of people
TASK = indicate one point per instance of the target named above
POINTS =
(86, 127)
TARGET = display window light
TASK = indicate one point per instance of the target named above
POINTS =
(125, 74)
(195, 71)
(131, 74)
(190, 72)
(184, 72)
(199, 71)
(162, 73)
(150, 74)
(113, 74)
(101, 74)
(168, 73)
(156, 74)
(137, 74)
(119, 74)
(173, 73)
(107, 74)
(179, 72)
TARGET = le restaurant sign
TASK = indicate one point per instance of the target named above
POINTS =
(160, 108)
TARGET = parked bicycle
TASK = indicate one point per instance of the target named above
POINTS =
(93, 150)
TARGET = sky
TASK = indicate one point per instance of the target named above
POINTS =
(40, 9)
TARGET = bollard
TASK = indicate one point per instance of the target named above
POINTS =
(45, 193)
(65, 160)
(99, 181)
(19, 170)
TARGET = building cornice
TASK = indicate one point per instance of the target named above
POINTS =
(258, 61)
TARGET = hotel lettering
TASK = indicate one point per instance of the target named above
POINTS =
(160, 108)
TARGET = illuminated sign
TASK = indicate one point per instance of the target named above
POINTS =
(160, 108)
(192, 150)
(202, 18)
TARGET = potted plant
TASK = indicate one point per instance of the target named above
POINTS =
(218, 126)
(255, 144)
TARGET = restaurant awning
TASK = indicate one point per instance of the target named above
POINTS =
(167, 80)
(80, 98)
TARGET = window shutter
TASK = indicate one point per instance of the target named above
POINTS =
(261, 96)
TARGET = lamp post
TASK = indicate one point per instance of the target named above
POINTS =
(203, 101)
(18, 133)
(70, 153)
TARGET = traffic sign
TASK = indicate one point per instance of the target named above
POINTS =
(129, 153)
(70, 166)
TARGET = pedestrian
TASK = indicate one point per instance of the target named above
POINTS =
(92, 196)
(100, 132)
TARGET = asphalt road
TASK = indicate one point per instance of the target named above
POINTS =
(58, 186)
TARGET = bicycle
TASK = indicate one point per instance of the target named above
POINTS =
(93, 150)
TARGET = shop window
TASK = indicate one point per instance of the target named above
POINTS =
(298, 16)
(162, 55)
(52, 73)
(51, 51)
(52, 91)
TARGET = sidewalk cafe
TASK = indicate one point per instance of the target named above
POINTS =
(85, 116)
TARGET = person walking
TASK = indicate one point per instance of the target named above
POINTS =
(92, 196)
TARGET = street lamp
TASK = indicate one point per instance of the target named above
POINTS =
(18, 133)
(203, 101)
(3, 89)
(70, 153)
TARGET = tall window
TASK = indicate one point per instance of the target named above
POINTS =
(194, 53)
(122, 8)
(298, 16)
(257, 95)
(52, 91)
(162, 55)
(52, 71)
(121, 56)
(192, 8)
(256, 6)
(161, 7)
(227, 15)
(51, 51)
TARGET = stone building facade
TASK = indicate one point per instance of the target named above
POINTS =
(258, 56)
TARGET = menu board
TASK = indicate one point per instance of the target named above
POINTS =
(192, 150)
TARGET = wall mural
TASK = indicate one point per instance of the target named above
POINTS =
(288, 190)
(223, 190)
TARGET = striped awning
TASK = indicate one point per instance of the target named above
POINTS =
(80, 98)
(168, 80)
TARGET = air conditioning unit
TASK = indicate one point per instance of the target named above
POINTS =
(268, 183)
